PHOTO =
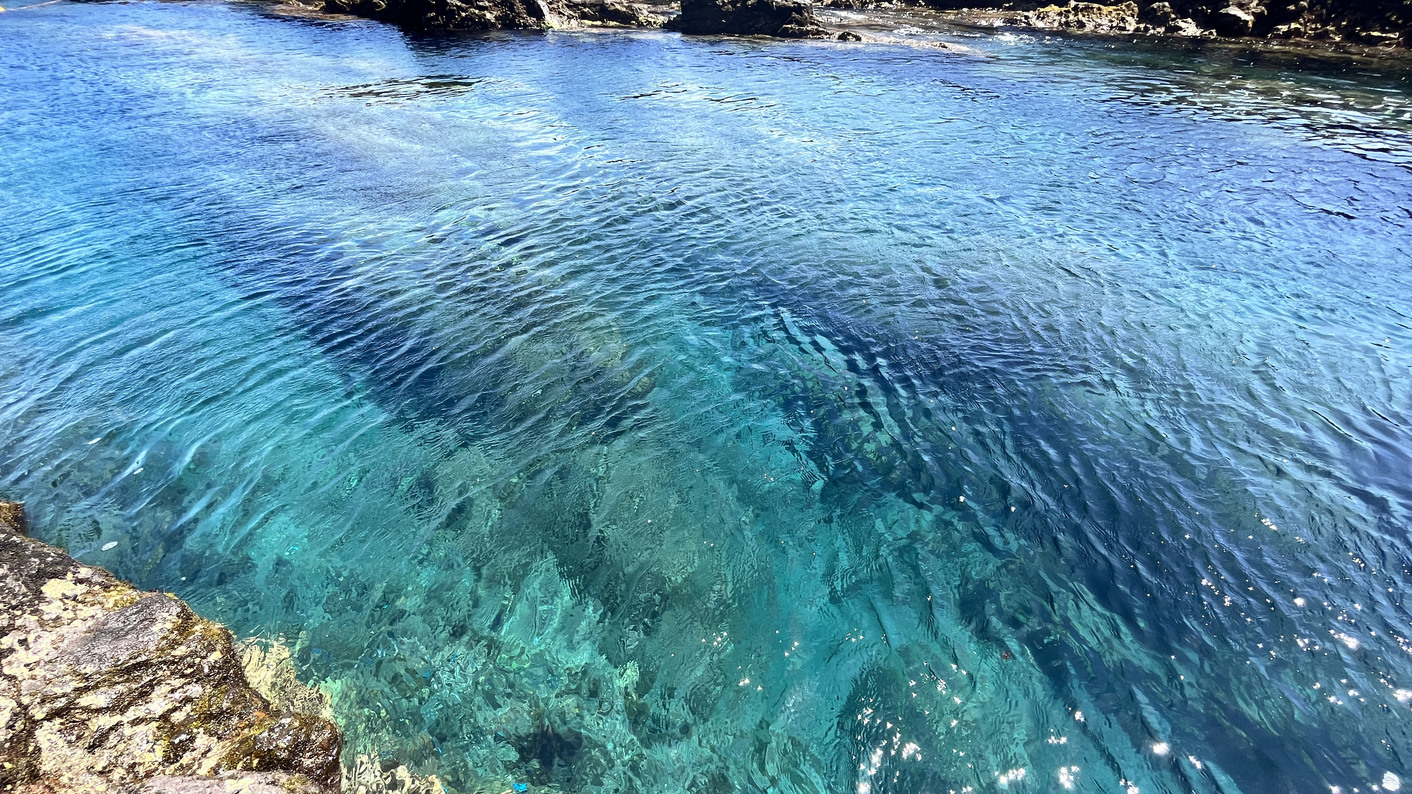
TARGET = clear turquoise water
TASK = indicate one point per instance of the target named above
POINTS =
(630, 413)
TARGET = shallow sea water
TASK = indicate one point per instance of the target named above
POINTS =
(619, 412)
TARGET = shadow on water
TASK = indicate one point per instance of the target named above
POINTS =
(868, 411)
(865, 406)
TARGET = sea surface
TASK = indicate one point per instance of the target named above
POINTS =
(625, 412)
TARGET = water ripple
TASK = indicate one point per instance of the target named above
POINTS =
(628, 412)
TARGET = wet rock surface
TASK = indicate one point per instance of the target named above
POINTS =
(107, 688)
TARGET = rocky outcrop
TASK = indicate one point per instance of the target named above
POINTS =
(105, 688)
(1233, 21)
(787, 18)
(1089, 17)
(450, 14)
(1376, 22)
(500, 14)
(611, 13)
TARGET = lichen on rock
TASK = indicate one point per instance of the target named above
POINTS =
(107, 688)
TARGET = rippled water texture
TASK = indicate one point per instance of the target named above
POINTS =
(629, 413)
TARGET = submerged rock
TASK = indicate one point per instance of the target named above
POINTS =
(269, 668)
(372, 775)
(107, 688)
(787, 18)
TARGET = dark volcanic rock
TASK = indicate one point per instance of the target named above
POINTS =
(499, 14)
(1158, 15)
(788, 18)
(106, 688)
(450, 14)
(1233, 21)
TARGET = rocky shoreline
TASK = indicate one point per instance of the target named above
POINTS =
(105, 688)
(1375, 23)
(780, 18)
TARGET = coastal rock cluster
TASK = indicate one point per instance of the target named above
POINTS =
(105, 688)
(1376, 22)
(784, 18)
(500, 14)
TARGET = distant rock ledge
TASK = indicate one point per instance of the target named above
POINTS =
(1382, 23)
(501, 14)
(782, 18)
(1379, 23)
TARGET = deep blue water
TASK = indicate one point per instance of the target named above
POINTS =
(619, 412)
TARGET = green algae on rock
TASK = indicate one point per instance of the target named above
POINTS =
(106, 688)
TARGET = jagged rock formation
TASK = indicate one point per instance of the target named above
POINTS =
(451, 14)
(1378, 22)
(610, 13)
(105, 688)
(786, 18)
(1091, 17)
(499, 14)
